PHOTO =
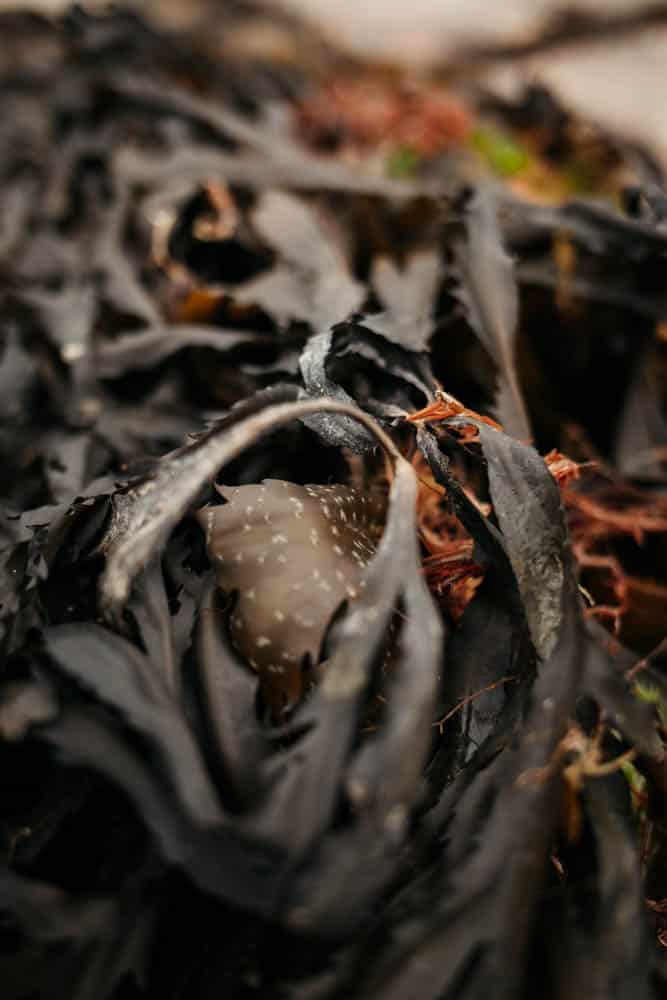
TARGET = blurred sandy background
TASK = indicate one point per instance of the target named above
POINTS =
(621, 83)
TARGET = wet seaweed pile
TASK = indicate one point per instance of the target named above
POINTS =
(333, 566)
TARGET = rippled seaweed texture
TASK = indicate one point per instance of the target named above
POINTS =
(457, 799)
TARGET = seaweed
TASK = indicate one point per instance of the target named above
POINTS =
(247, 354)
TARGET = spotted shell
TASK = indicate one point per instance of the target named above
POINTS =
(293, 553)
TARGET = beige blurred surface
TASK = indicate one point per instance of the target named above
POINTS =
(620, 83)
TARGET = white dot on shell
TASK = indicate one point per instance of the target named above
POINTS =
(298, 507)
(281, 557)
(262, 641)
(279, 616)
(337, 549)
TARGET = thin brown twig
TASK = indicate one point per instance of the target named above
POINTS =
(471, 697)
(647, 660)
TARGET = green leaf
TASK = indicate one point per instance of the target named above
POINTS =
(503, 154)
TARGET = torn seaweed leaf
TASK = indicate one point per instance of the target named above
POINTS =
(408, 297)
(389, 379)
(489, 294)
(312, 282)
(194, 296)
(283, 821)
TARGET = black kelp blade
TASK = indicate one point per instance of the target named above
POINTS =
(120, 676)
(408, 297)
(288, 801)
(448, 781)
(146, 513)
(380, 781)
(313, 283)
(611, 955)
(228, 692)
(91, 944)
(352, 866)
(218, 859)
(143, 517)
(487, 888)
(527, 504)
(489, 294)
(400, 377)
